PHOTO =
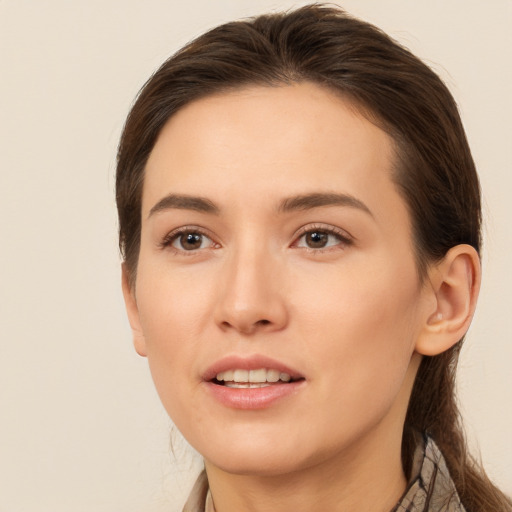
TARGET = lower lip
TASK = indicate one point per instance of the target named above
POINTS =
(253, 398)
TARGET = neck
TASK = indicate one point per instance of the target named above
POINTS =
(369, 479)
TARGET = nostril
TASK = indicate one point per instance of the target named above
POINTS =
(248, 328)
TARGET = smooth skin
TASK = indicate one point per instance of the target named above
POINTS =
(297, 246)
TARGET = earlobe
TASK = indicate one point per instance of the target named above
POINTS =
(132, 311)
(454, 283)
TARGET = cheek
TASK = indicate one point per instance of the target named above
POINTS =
(173, 304)
(172, 312)
(365, 299)
(365, 325)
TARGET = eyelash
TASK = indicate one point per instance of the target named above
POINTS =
(343, 238)
(174, 235)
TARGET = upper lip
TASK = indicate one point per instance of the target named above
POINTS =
(252, 362)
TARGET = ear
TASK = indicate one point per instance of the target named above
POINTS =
(454, 284)
(133, 312)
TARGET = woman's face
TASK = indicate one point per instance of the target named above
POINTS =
(274, 240)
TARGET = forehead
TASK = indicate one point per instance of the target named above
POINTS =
(270, 141)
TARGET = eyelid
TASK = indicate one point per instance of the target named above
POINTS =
(169, 238)
(344, 237)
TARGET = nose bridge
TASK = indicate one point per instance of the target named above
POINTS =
(251, 295)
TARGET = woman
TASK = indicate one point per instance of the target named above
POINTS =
(300, 225)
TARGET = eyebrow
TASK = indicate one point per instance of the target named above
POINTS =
(184, 202)
(290, 204)
(319, 199)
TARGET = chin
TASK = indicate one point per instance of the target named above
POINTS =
(261, 465)
(268, 456)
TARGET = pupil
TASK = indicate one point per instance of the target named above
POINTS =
(316, 239)
(191, 240)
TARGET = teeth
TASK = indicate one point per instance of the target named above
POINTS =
(258, 375)
(272, 375)
(241, 378)
(245, 385)
(241, 375)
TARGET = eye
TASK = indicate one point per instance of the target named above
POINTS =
(188, 240)
(321, 239)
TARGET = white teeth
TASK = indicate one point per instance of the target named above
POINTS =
(241, 375)
(228, 375)
(259, 376)
(272, 375)
(245, 385)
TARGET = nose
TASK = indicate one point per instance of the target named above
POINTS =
(252, 294)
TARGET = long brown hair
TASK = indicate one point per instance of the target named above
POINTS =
(434, 170)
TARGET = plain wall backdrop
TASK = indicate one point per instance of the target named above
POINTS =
(81, 427)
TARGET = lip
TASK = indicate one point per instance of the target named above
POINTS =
(251, 398)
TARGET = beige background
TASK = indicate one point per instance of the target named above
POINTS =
(80, 426)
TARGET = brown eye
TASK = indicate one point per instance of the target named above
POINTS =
(190, 241)
(316, 239)
(322, 239)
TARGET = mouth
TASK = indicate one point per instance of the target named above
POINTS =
(240, 378)
(252, 382)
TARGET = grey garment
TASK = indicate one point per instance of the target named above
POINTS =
(430, 488)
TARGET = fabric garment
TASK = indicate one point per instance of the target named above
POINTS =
(430, 488)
